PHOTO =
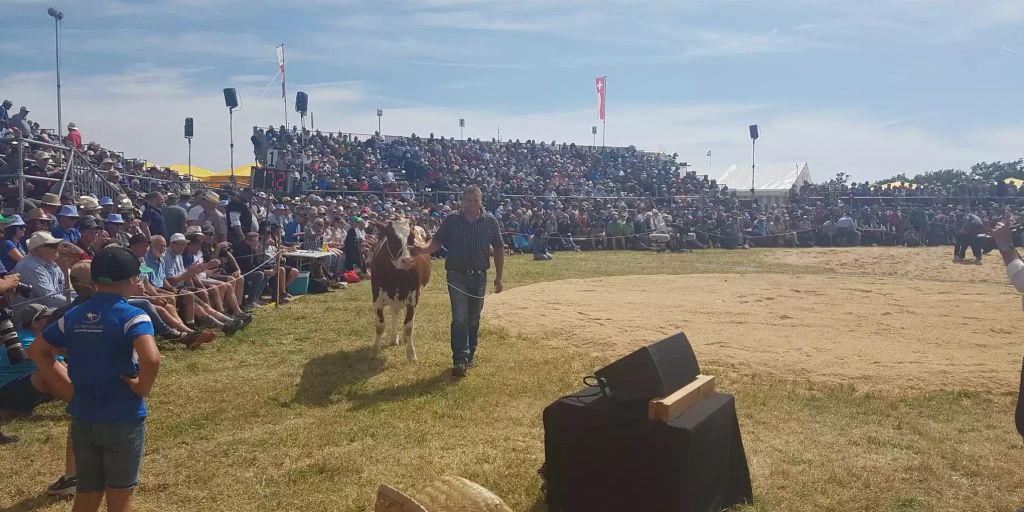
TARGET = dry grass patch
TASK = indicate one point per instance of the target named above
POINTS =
(297, 414)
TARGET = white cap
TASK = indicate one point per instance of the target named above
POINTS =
(40, 238)
(178, 237)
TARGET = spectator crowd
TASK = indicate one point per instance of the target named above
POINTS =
(208, 257)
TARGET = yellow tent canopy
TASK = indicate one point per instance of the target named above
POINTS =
(1017, 182)
(242, 171)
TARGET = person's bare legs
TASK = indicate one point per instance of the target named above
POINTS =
(119, 500)
(87, 501)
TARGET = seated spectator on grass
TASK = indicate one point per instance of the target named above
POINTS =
(178, 279)
(23, 387)
(158, 304)
(256, 267)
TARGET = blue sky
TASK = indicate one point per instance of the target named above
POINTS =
(867, 87)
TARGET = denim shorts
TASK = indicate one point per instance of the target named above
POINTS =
(108, 455)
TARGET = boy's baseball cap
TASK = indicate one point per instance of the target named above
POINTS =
(113, 264)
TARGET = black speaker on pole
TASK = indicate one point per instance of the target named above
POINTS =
(753, 132)
(653, 371)
(301, 102)
(230, 97)
(188, 128)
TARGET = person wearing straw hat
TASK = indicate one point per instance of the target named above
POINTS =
(114, 365)
(38, 220)
(39, 269)
(88, 205)
(74, 137)
(13, 249)
(67, 217)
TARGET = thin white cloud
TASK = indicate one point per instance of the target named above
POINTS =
(717, 44)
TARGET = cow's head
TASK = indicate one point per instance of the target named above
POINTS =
(398, 237)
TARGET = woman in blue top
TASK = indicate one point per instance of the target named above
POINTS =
(12, 249)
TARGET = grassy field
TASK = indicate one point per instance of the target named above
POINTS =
(296, 413)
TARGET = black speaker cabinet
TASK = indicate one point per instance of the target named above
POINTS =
(301, 102)
(653, 371)
(753, 132)
(603, 456)
(230, 98)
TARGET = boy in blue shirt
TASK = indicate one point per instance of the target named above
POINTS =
(114, 362)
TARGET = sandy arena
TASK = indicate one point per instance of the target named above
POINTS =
(919, 322)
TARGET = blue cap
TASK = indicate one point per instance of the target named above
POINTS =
(106, 201)
(114, 218)
(16, 221)
(67, 211)
(279, 207)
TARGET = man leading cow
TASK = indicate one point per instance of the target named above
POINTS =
(470, 237)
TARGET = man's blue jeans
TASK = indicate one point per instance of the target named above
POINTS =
(465, 313)
(254, 285)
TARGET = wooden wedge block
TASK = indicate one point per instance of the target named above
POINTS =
(672, 406)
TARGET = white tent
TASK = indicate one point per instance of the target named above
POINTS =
(770, 180)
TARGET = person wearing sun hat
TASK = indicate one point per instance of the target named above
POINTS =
(38, 220)
(106, 206)
(39, 269)
(88, 205)
(115, 365)
(13, 249)
(114, 226)
(67, 217)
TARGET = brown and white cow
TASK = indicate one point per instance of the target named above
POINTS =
(397, 278)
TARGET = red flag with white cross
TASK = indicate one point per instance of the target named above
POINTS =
(600, 97)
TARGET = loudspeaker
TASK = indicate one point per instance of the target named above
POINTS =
(301, 102)
(654, 371)
(188, 127)
(753, 132)
(230, 98)
(603, 457)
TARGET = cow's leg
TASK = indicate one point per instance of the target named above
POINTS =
(378, 306)
(410, 350)
(394, 323)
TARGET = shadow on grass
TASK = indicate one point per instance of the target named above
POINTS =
(326, 374)
(403, 392)
(36, 502)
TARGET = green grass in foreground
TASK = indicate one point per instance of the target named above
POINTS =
(296, 413)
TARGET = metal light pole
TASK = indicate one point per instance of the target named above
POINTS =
(462, 125)
(380, 113)
(231, 131)
(57, 16)
(593, 131)
(753, 159)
